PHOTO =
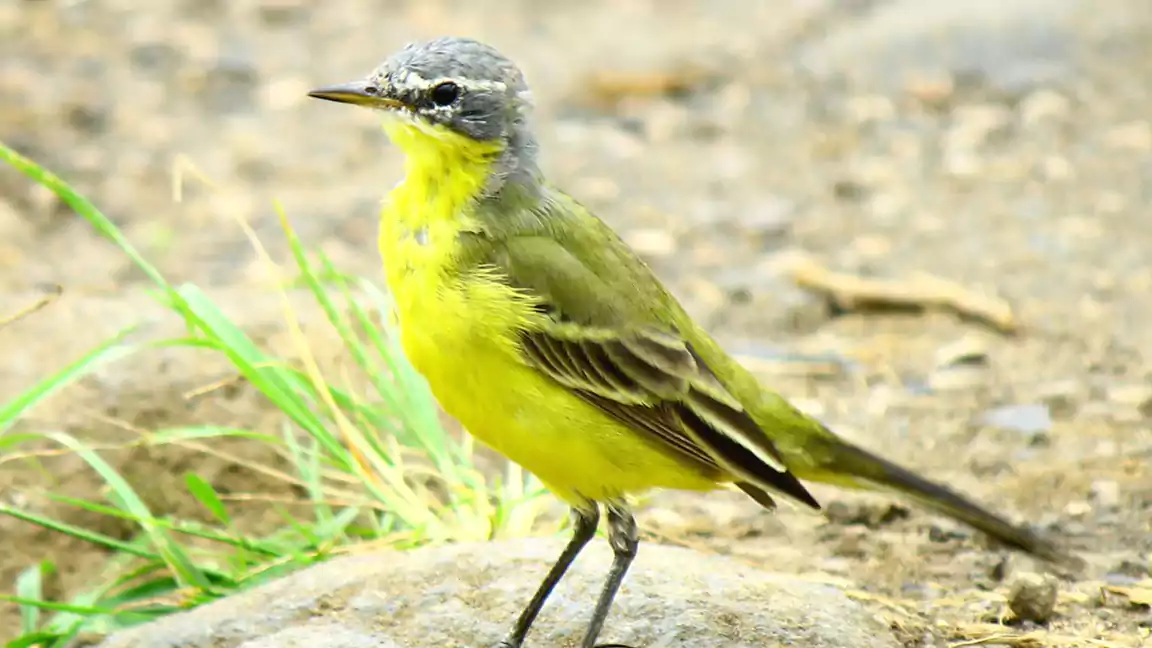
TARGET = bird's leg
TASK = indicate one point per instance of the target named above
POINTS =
(625, 540)
(584, 522)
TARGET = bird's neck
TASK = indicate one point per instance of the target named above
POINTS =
(445, 182)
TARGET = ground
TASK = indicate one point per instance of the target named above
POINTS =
(1002, 146)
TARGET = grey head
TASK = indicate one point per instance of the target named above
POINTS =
(457, 83)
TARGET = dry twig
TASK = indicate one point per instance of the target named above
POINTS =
(922, 291)
(33, 307)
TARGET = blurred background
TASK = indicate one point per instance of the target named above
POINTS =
(991, 156)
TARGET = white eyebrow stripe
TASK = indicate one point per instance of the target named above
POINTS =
(411, 80)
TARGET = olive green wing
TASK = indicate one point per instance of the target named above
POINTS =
(603, 338)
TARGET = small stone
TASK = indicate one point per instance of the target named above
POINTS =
(1077, 509)
(1033, 597)
(968, 350)
(1105, 493)
(1032, 419)
(1061, 396)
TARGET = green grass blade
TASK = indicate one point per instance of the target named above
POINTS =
(30, 586)
(107, 352)
(83, 610)
(126, 498)
(206, 495)
(80, 533)
(81, 206)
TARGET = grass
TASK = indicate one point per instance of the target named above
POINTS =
(367, 453)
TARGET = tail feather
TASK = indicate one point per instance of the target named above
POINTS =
(844, 459)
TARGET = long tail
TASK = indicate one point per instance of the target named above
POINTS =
(841, 460)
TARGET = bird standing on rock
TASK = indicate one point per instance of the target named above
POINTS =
(552, 342)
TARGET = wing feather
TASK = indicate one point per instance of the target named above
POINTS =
(654, 383)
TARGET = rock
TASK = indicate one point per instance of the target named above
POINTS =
(961, 365)
(466, 595)
(1033, 597)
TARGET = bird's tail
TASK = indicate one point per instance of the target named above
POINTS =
(847, 464)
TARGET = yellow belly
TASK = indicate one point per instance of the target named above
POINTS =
(462, 338)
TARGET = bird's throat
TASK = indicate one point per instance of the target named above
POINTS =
(444, 176)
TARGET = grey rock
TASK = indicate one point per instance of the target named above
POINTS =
(1033, 597)
(466, 595)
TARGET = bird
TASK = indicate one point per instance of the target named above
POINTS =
(541, 331)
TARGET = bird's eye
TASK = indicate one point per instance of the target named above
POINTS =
(445, 94)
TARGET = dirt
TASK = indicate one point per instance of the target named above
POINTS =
(1006, 147)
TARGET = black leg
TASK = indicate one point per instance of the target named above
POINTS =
(625, 540)
(584, 523)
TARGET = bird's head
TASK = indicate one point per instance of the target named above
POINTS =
(452, 96)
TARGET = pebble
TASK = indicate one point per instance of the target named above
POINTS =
(971, 350)
(1033, 597)
(1032, 419)
(1062, 397)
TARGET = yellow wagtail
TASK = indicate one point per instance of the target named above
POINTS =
(553, 343)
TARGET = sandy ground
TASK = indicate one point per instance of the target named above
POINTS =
(1003, 146)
